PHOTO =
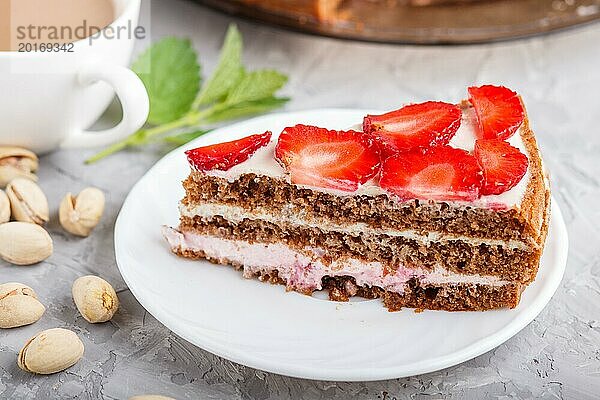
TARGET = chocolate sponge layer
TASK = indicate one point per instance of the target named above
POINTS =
(393, 251)
(275, 196)
(446, 297)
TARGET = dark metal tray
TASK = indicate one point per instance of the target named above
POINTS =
(390, 21)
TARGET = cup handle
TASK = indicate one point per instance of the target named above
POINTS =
(132, 95)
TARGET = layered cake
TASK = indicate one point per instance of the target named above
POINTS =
(431, 206)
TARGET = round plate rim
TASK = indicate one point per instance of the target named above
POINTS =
(371, 374)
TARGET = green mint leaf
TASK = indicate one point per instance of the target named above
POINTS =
(171, 74)
(183, 138)
(244, 109)
(228, 72)
(256, 85)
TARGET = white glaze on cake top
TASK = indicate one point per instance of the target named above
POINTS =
(263, 163)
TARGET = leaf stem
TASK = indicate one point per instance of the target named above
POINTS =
(192, 118)
(107, 151)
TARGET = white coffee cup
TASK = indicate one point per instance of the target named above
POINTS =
(49, 99)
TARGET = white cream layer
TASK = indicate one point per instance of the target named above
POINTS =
(263, 163)
(304, 271)
(237, 214)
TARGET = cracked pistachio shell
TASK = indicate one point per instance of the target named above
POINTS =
(4, 207)
(19, 305)
(80, 214)
(27, 201)
(23, 243)
(50, 351)
(16, 162)
(95, 298)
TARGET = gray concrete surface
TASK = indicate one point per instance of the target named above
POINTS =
(557, 356)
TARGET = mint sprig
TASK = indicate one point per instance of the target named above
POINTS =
(182, 138)
(255, 86)
(171, 74)
(228, 73)
(246, 108)
(181, 110)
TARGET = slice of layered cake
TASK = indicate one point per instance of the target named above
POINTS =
(432, 206)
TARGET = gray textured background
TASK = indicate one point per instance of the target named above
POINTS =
(556, 356)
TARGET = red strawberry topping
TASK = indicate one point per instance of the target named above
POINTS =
(223, 156)
(416, 125)
(503, 165)
(499, 111)
(441, 173)
(320, 157)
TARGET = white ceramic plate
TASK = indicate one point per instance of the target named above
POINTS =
(265, 327)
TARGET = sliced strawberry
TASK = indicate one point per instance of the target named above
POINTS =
(416, 125)
(320, 157)
(499, 111)
(441, 173)
(223, 156)
(503, 165)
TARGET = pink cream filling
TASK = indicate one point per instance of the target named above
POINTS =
(304, 271)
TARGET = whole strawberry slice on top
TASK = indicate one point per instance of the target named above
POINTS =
(415, 125)
(326, 158)
(440, 173)
(499, 111)
(503, 165)
(223, 156)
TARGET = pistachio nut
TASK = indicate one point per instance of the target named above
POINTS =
(4, 207)
(23, 243)
(80, 214)
(27, 201)
(95, 298)
(151, 397)
(16, 162)
(19, 305)
(50, 351)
